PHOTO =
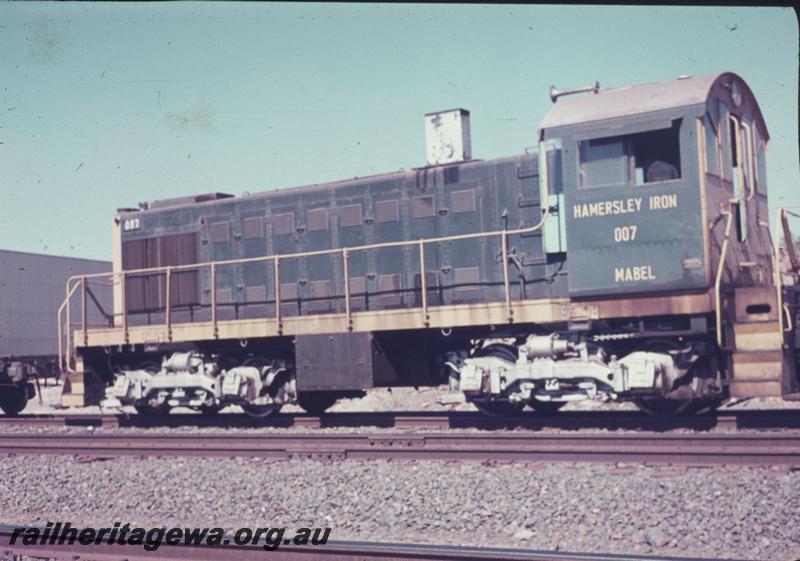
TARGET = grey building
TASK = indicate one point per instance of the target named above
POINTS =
(32, 287)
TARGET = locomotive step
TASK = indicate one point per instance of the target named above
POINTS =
(760, 373)
(757, 303)
(757, 365)
(758, 336)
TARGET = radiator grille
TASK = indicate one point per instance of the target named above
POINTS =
(463, 201)
(288, 291)
(218, 232)
(255, 294)
(224, 296)
(358, 288)
(389, 290)
(317, 220)
(320, 296)
(321, 289)
(466, 278)
(253, 228)
(431, 280)
(283, 224)
(387, 211)
(423, 207)
(350, 215)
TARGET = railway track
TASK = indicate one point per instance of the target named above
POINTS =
(332, 551)
(649, 448)
(622, 420)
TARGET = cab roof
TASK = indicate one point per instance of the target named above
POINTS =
(615, 103)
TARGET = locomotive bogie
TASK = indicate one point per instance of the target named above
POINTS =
(194, 380)
(547, 368)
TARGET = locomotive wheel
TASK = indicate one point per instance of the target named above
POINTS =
(13, 400)
(669, 407)
(147, 410)
(706, 406)
(546, 407)
(316, 403)
(143, 407)
(259, 411)
(498, 408)
(209, 410)
(662, 407)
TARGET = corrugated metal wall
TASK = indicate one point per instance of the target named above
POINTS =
(31, 290)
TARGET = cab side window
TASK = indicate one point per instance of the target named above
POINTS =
(761, 162)
(633, 159)
(604, 161)
(725, 140)
(712, 143)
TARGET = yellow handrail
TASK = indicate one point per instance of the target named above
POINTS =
(787, 237)
(782, 215)
(721, 267)
(63, 364)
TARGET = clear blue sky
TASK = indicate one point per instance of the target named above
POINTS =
(106, 105)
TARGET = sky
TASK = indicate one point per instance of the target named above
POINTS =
(103, 106)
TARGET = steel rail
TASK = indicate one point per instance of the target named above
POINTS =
(673, 449)
(424, 420)
(331, 551)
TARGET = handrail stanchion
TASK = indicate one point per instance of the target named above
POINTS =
(84, 312)
(278, 322)
(424, 285)
(506, 284)
(214, 299)
(346, 273)
(167, 304)
(59, 339)
(788, 242)
(70, 292)
(124, 281)
(720, 268)
(64, 353)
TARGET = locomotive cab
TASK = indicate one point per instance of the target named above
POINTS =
(645, 168)
(665, 191)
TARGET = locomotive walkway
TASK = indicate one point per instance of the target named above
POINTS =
(775, 449)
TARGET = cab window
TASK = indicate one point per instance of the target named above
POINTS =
(632, 159)
(712, 144)
(725, 139)
(761, 163)
(737, 150)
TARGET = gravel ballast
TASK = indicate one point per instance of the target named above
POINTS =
(740, 513)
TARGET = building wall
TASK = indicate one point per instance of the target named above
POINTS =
(32, 287)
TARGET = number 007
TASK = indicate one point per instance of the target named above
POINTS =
(625, 233)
